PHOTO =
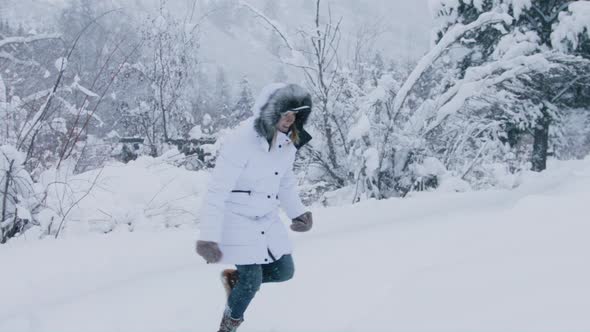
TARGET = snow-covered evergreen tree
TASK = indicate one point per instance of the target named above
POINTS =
(222, 100)
(537, 26)
(243, 108)
(167, 72)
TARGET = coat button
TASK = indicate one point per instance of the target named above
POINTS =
(268, 196)
(277, 196)
(266, 259)
(276, 173)
(262, 232)
(280, 146)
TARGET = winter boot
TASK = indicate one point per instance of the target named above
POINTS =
(229, 324)
(229, 278)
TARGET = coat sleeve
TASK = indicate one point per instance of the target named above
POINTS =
(288, 196)
(228, 167)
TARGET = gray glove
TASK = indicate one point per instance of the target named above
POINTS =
(209, 251)
(302, 223)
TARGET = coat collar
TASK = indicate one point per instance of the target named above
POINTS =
(282, 140)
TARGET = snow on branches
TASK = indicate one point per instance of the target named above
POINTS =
(573, 24)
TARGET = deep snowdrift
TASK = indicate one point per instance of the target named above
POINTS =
(480, 261)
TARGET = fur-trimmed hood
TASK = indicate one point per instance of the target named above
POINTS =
(274, 100)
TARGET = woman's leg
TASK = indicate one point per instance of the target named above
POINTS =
(250, 278)
(278, 271)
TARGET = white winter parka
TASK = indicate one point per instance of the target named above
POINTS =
(248, 184)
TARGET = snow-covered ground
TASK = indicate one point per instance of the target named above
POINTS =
(478, 261)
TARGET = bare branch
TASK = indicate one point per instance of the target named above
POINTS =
(569, 86)
(65, 215)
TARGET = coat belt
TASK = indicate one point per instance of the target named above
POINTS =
(249, 192)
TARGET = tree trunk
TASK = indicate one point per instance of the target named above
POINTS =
(541, 143)
(328, 133)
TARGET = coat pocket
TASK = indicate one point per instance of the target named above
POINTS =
(238, 230)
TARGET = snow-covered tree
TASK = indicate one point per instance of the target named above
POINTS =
(243, 108)
(168, 68)
(222, 100)
(334, 93)
(364, 54)
(377, 68)
(549, 31)
(30, 88)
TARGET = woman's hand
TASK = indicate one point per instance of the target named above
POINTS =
(209, 251)
(302, 223)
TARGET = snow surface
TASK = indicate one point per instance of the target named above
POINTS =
(195, 132)
(147, 193)
(477, 261)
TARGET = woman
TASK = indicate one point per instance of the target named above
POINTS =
(253, 175)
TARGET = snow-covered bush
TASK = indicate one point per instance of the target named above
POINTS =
(17, 194)
(147, 193)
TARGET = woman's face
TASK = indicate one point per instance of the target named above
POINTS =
(286, 121)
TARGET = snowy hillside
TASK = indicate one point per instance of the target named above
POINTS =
(478, 261)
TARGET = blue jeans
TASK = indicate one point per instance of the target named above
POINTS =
(250, 277)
